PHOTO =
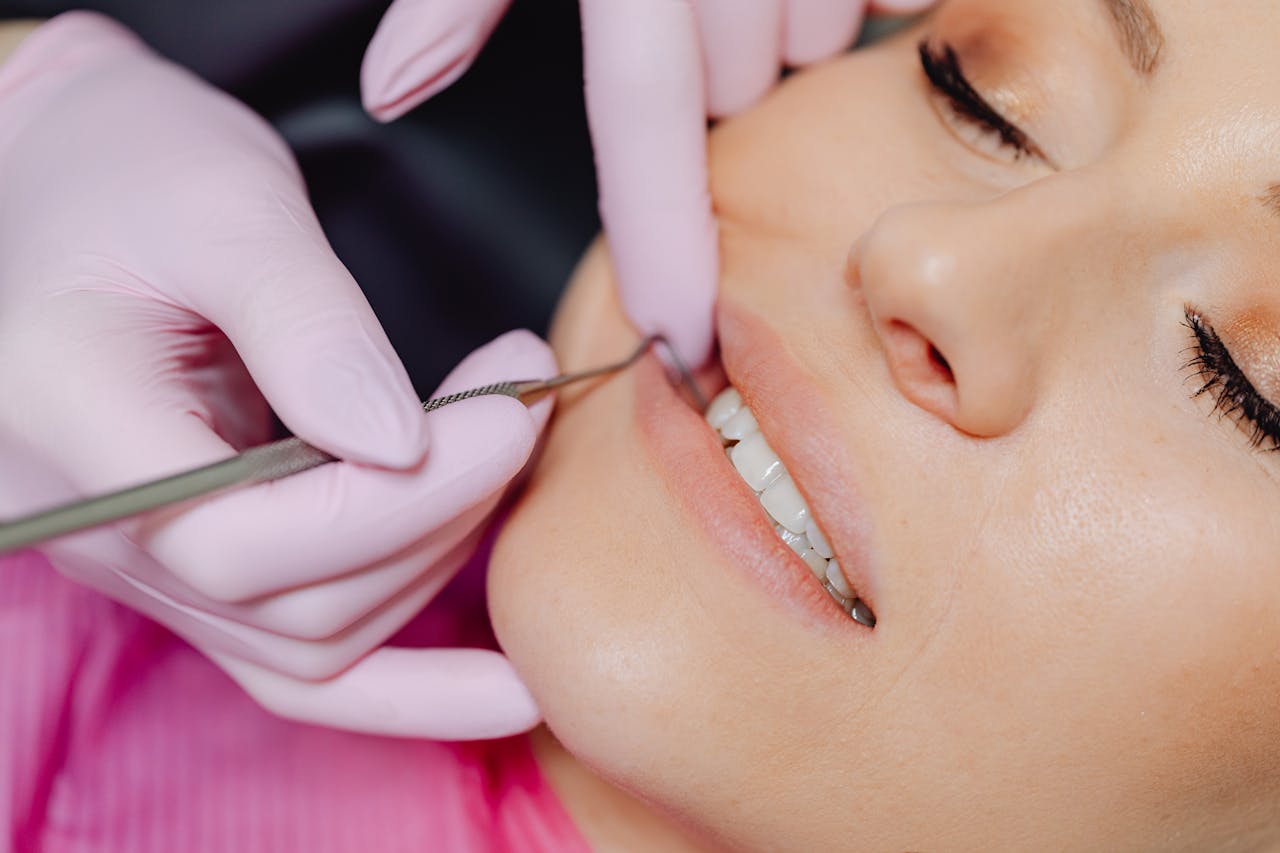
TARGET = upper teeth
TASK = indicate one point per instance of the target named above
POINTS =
(764, 472)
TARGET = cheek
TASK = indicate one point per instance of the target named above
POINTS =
(1124, 606)
(817, 161)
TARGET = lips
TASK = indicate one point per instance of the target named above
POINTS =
(801, 431)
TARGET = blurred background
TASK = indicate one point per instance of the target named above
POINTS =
(461, 220)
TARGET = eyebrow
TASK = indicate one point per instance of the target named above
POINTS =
(1139, 32)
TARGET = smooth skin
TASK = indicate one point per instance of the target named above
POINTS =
(1077, 587)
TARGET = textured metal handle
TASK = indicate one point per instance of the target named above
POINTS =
(268, 462)
(507, 389)
(256, 465)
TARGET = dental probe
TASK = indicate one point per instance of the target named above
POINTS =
(276, 460)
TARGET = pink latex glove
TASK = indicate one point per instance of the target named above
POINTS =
(160, 263)
(655, 69)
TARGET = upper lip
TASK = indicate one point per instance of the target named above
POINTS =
(795, 420)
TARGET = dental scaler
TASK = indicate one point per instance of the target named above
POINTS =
(280, 459)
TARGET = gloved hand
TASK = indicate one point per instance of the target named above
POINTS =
(158, 260)
(655, 69)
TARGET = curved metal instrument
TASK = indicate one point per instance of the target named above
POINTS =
(276, 460)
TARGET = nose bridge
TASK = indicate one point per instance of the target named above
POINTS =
(966, 296)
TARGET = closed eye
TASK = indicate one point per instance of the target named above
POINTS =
(1234, 395)
(942, 68)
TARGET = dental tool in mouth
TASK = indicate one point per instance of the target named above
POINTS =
(285, 457)
(793, 521)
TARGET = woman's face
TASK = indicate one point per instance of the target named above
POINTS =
(977, 350)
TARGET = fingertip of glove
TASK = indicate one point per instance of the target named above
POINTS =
(465, 694)
(73, 37)
(497, 433)
(420, 49)
(499, 705)
(694, 342)
(687, 322)
(396, 74)
(373, 97)
(526, 353)
(389, 94)
(90, 25)
(822, 33)
(727, 100)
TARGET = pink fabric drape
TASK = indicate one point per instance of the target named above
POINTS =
(117, 736)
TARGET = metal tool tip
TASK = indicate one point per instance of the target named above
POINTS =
(674, 362)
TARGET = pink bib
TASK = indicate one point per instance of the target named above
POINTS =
(115, 735)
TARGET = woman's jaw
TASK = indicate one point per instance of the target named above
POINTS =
(1069, 560)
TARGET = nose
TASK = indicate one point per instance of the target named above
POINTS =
(962, 297)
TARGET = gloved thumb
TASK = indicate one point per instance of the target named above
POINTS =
(420, 48)
(312, 344)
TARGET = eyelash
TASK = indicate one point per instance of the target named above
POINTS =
(1235, 395)
(942, 68)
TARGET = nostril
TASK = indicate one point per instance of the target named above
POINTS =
(920, 370)
(916, 357)
(936, 358)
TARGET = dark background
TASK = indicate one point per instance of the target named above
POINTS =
(461, 220)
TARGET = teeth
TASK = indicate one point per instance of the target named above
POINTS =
(740, 425)
(817, 540)
(782, 501)
(816, 564)
(723, 407)
(798, 541)
(835, 577)
(761, 468)
(756, 462)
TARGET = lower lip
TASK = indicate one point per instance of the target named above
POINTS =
(709, 490)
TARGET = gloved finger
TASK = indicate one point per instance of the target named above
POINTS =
(311, 660)
(132, 413)
(420, 48)
(235, 241)
(818, 29)
(901, 7)
(647, 112)
(443, 694)
(324, 522)
(324, 610)
(304, 329)
(741, 50)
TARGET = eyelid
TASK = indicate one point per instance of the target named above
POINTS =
(1236, 396)
(946, 76)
